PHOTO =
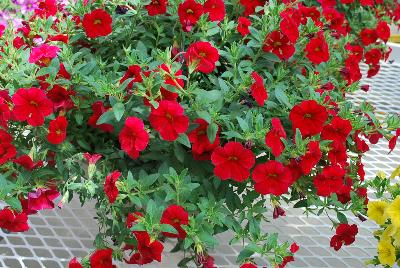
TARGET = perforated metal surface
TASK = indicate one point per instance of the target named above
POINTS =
(58, 235)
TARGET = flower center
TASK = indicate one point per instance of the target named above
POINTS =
(307, 115)
(97, 22)
(233, 158)
(189, 11)
(58, 132)
(202, 54)
(175, 220)
(33, 103)
(46, 61)
(277, 44)
(317, 49)
(168, 116)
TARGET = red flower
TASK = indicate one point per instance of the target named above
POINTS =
(317, 50)
(46, 8)
(57, 130)
(97, 23)
(383, 31)
(338, 130)
(393, 140)
(176, 216)
(132, 218)
(98, 110)
(273, 137)
(329, 181)
(202, 56)
(189, 13)
(43, 54)
(201, 145)
(337, 153)
(110, 188)
(215, 9)
(291, 19)
(308, 117)
(157, 7)
(311, 158)
(243, 26)
(5, 113)
(250, 6)
(61, 98)
(32, 105)
(248, 265)
(271, 177)
(134, 73)
(258, 90)
(102, 258)
(13, 221)
(133, 137)
(309, 12)
(169, 120)
(74, 264)
(7, 151)
(92, 159)
(373, 70)
(232, 161)
(147, 250)
(368, 36)
(279, 44)
(373, 56)
(42, 199)
(345, 234)
(27, 162)
(278, 211)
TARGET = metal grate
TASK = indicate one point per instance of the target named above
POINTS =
(58, 235)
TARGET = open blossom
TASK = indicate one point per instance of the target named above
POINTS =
(345, 234)
(5, 113)
(13, 221)
(271, 177)
(146, 250)
(176, 216)
(157, 7)
(317, 50)
(46, 8)
(189, 13)
(61, 98)
(257, 89)
(250, 6)
(368, 36)
(74, 263)
(201, 145)
(57, 130)
(102, 258)
(7, 150)
(273, 137)
(110, 187)
(97, 23)
(27, 162)
(309, 117)
(43, 54)
(338, 130)
(279, 44)
(243, 26)
(232, 161)
(31, 105)
(169, 120)
(134, 72)
(311, 157)
(133, 137)
(202, 57)
(215, 9)
(42, 199)
(330, 180)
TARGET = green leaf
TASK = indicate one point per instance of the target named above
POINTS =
(168, 229)
(105, 118)
(184, 139)
(341, 217)
(179, 152)
(301, 203)
(119, 110)
(243, 255)
(282, 97)
(212, 130)
(14, 203)
(243, 124)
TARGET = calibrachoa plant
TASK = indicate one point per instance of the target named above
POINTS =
(186, 119)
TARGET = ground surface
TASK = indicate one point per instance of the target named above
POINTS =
(56, 236)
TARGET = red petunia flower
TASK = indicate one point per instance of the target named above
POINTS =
(13, 221)
(97, 23)
(309, 12)
(201, 145)
(26, 162)
(337, 153)
(176, 216)
(32, 105)
(393, 140)
(271, 177)
(248, 265)
(215, 9)
(250, 6)
(338, 130)
(329, 181)
(311, 158)
(110, 188)
(243, 26)
(43, 54)
(279, 44)
(293, 249)
(189, 13)
(133, 137)
(273, 137)
(258, 90)
(5, 113)
(46, 8)
(373, 70)
(383, 31)
(289, 25)
(74, 263)
(202, 56)
(102, 258)
(373, 56)
(232, 161)
(278, 212)
(98, 110)
(169, 120)
(7, 150)
(317, 50)
(157, 7)
(146, 250)
(42, 199)
(61, 98)
(345, 234)
(368, 36)
(134, 72)
(308, 117)
(92, 158)
(57, 130)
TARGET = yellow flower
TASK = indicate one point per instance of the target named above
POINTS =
(381, 175)
(395, 173)
(376, 211)
(390, 233)
(393, 211)
(386, 253)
